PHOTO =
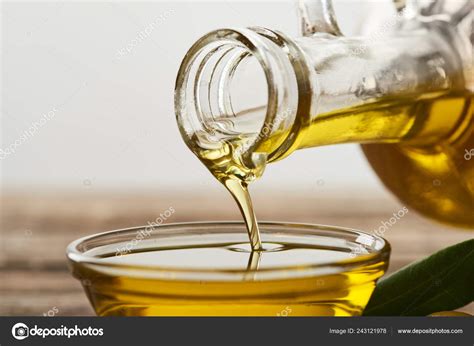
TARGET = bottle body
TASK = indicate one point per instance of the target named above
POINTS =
(413, 114)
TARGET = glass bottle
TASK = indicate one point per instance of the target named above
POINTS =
(405, 94)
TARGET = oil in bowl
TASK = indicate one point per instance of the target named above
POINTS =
(208, 269)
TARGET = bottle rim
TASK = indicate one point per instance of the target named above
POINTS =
(289, 89)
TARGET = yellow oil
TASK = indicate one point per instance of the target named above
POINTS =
(246, 293)
(224, 160)
(418, 146)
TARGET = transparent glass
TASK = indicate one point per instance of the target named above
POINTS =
(405, 93)
(207, 269)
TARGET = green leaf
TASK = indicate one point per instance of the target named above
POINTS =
(443, 281)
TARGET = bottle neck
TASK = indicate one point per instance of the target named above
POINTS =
(408, 86)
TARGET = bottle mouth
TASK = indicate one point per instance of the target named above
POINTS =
(240, 83)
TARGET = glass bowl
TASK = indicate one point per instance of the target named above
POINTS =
(207, 269)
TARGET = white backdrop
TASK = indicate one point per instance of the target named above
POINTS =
(87, 95)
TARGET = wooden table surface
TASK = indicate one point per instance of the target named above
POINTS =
(36, 227)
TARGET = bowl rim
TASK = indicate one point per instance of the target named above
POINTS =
(75, 255)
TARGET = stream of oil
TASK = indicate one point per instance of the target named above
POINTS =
(225, 161)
